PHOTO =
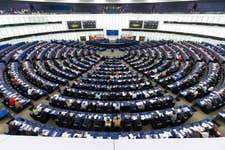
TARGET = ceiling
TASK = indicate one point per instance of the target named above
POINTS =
(106, 1)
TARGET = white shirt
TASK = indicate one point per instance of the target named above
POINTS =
(29, 92)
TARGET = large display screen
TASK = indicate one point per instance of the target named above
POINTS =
(89, 24)
(151, 24)
(135, 24)
(112, 32)
(74, 24)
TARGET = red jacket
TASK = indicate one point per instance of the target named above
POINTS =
(12, 101)
(14, 81)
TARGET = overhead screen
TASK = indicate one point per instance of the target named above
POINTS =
(89, 24)
(135, 24)
(74, 24)
(151, 24)
(112, 32)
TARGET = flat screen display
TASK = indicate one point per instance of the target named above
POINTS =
(74, 24)
(112, 32)
(89, 24)
(151, 24)
(135, 24)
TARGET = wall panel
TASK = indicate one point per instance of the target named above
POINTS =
(114, 21)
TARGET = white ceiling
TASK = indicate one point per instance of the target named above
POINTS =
(107, 1)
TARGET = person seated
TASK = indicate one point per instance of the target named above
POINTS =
(35, 113)
(117, 73)
(13, 129)
(18, 105)
(180, 58)
(132, 107)
(136, 122)
(66, 135)
(68, 103)
(98, 95)
(117, 122)
(213, 132)
(30, 132)
(14, 81)
(116, 106)
(111, 77)
(204, 134)
(126, 122)
(84, 105)
(44, 116)
(108, 107)
(108, 123)
(97, 123)
(148, 73)
(91, 106)
(87, 123)
(140, 105)
(76, 105)
(78, 121)
(65, 119)
(173, 117)
(182, 116)
(195, 134)
(155, 119)
(31, 92)
(12, 102)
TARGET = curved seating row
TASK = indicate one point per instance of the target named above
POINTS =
(20, 102)
(180, 74)
(190, 80)
(205, 85)
(6, 50)
(106, 106)
(102, 121)
(125, 95)
(20, 84)
(30, 74)
(203, 128)
(42, 71)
